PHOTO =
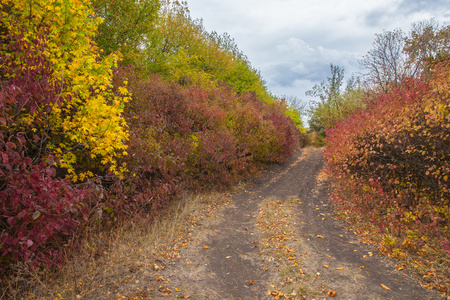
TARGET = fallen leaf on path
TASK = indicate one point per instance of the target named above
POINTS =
(362, 267)
(276, 294)
(340, 269)
(251, 282)
(320, 236)
(206, 247)
(326, 266)
(331, 293)
(384, 287)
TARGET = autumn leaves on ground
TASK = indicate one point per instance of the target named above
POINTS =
(124, 126)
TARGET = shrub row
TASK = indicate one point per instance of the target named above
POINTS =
(185, 137)
(180, 138)
(392, 164)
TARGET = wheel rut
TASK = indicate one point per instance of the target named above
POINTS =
(225, 259)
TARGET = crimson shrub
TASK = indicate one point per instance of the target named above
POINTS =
(391, 163)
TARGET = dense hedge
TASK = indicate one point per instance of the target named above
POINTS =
(39, 210)
(191, 138)
(392, 163)
(78, 151)
(180, 138)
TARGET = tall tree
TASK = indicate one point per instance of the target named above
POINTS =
(125, 26)
(396, 56)
(336, 102)
(182, 50)
(427, 44)
(386, 64)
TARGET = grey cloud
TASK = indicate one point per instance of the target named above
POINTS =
(293, 42)
(286, 74)
(299, 61)
(413, 6)
(281, 75)
(375, 18)
(404, 9)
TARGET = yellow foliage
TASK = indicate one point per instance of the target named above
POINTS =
(91, 118)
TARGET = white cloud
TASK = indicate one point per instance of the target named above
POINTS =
(293, 42)
(301, 69)
(296, 46)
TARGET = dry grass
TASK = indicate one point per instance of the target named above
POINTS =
(110, 258)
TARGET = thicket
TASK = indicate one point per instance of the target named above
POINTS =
(390, 163)
(187, 137)
(85, 142)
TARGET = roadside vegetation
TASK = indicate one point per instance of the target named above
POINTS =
(111, 111)
(114, 113)
(387, 139)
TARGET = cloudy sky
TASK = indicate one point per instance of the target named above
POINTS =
(293, 42)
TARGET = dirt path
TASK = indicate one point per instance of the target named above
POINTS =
(236, 255)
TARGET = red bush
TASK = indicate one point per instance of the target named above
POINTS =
(191, 138)
(391, 163)
(39, 212)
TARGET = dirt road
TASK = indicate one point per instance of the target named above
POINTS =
(305, 252)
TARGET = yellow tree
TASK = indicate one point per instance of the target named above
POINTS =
(87, 128)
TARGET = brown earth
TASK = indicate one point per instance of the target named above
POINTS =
(233, 255)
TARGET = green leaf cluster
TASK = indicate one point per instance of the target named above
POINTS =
(125, 26)
(335, 103)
